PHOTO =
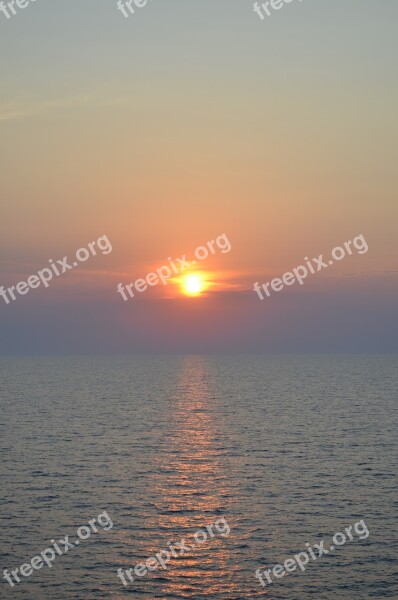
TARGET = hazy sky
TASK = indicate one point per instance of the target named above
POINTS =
(190, 119)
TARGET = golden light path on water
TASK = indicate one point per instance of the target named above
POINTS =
(191, 481)
(192, 489)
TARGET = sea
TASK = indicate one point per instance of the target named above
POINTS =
(232, 465)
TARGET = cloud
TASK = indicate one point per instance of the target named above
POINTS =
(23, 110)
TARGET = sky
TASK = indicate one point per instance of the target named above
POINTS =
(183, 122)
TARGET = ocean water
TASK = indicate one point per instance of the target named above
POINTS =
(284, 450)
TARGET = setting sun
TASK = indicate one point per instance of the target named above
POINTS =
(193, 285)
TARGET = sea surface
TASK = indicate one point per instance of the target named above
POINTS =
(285, 450)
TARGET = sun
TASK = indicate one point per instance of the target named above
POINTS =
(193, 285)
